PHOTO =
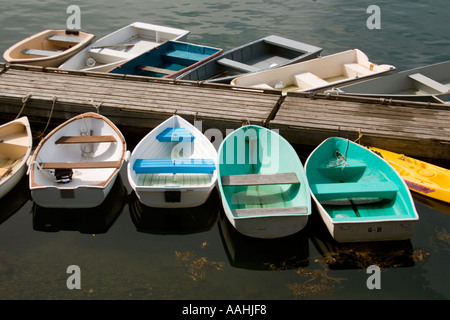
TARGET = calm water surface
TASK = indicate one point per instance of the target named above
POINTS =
(126, 252)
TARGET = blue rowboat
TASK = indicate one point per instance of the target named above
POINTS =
(359, 196)
(167, 60)
(262, 183)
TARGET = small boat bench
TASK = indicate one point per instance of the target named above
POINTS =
(237, 65)
(42, 53)
(175, 135)
(155, 69)
(188, 165)
(426, 84)
(65, 39)
(85, 139)
(81, 165)
(248, 212)
(100, 54)
(355, 69)
(308, 80)
(260, 179)
(354, 190)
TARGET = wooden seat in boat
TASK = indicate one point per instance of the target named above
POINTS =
(260, 179)
(85, 139)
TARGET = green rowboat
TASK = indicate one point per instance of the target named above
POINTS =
(359, 196)
(262, 183)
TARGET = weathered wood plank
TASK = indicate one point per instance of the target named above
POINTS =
(81, 165)
(260, 179)
(84, 139)
(249, 212)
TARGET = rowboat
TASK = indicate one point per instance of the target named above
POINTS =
(316, 74)
(77, 163)
(168, 60)
(173, 166)
(262, 184)
(421, 177)
(122, 45)
(94, 220)
(359, 196)
(16, 143)
(429, 83)
(48, 48)
(265, 53)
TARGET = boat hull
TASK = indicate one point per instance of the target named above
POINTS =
(60, 50)
(15, 150)
(90, 168)
(359, 196)
(316, 74)
(122, 45)
(269, 52)
(268, 207)
(421, 177)
(163, 189)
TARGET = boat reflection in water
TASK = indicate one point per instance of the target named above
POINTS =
(251, 253)
(14, 199)
(96, 220)
(174, 220)
(360, 255)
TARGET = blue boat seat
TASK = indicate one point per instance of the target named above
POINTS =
(175, 135)
(149, 166)
(354, 190)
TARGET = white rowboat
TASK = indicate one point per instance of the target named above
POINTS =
(76, 164)
(122, 45)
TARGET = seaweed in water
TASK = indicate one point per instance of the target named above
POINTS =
(197, 268)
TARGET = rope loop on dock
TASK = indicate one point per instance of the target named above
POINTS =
(96, 105)
(24, 102)
(360, 135)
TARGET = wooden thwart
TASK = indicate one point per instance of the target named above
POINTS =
(81, 165)
(84, 139)
(269, 211)
(155, 69)
(260, 179)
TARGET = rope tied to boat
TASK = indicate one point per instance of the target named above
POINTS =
(341, 159)
(24, 102)
(96, 105)
(49, 117)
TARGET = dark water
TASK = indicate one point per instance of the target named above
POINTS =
(127, 252)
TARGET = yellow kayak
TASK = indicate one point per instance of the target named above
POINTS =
(422, 177)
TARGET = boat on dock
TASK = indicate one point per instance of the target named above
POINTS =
(48, 48)
(77, 163)
(428, 83)
(173, 166)
(269, 52)
(122, 45)
(168, 60)
(16, 143)
(316, 74)
(422, 177)
(262, 183)
(359, 196)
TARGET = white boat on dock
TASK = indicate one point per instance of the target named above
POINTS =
(122, 45)
(316, 74)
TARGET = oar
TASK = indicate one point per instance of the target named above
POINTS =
(113, 46)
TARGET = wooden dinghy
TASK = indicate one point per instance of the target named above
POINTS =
(16, 143)
(359, 196)
(77, 163)
(429, 83)
(173, 166)
(421, 177)
(122, 45)
(168, 60)
(262, 183)
(316, 74)
(265, 53)
(48, 48)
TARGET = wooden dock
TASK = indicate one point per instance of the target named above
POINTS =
(414, 128)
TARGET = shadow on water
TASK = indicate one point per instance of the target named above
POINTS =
(14, 200)
(263, 254)
(359, 255)
(94, 220)
(174, 221)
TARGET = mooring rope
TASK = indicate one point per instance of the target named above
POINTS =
(49, 117)
(24, 102)
(341, 159)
